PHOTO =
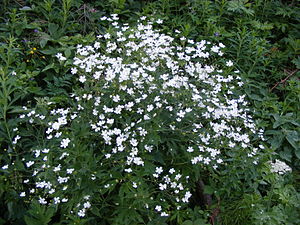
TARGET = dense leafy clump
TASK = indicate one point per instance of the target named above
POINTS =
(82, 176)
(150, 117)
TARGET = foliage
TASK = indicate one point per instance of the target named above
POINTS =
(261, 38)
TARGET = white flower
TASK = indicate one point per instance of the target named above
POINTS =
(5, 167)
(29, 163)
(81, 213)
(162, 186)
(60, 57)
(158, 208)
(148, 148)
(172, 170)
(181, 113)
(134, 142)
(116, 98)
(64, 143)
(87, 205)
(82, 79)
(42, 201)
(190, 149)
(56, 125)
(219, 160)
(62, 179)
(16, 139)
(57, 168)
(229, 63)
(129, 170)
(134, 185)
(97, 45)
(186, 197)
(158, 170)
(164, 214)
(215, 49)
(23, 194)
(159, 21)
(57, 135)
(107, 36)
(74, 70)
(280, 167)
(64, 200)
(56, 200)
(178, 176)
(70, 171)
(87, 197)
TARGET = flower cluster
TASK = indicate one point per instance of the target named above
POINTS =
(148, 107)
(279, 167)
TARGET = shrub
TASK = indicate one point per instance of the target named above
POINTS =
(150, 117)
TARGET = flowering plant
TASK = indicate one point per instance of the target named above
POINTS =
(151, 115)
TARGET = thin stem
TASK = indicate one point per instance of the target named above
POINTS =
(5, 103)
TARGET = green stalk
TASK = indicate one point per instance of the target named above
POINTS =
(5, 103)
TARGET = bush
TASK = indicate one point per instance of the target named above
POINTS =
(151, 116)
(148, 124)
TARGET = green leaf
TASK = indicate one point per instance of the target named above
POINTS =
(49, 51)
(199, 222)
(297, 153)
(296, 61)
(277, 138)
(208, 190)
(286, 154)
(279, 122)
(293, 138)
(43, 42)
(51, 66)
(188, 222)
(53, 29)
(39, 215)
(67, 53)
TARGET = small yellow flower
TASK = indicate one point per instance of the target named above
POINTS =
(31, 52)
(34, 49)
